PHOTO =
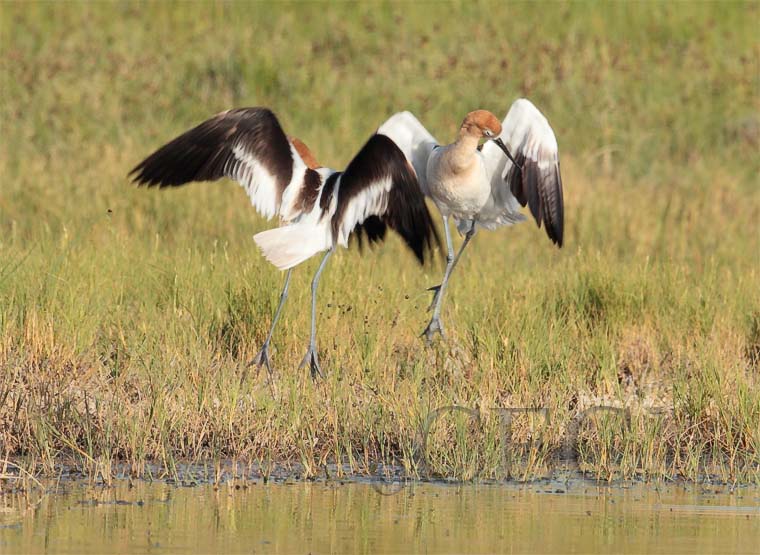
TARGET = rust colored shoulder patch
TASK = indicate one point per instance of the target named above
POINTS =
(305, 154)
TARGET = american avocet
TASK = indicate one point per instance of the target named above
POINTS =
(318, 207)
(478, 186)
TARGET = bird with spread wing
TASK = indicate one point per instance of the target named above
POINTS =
(319, 208)
(483, 186)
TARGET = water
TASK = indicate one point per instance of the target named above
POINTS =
(549, 517)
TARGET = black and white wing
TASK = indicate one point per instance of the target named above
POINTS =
(413, 139)
(379, 189)
(537, 181)
(244, 144)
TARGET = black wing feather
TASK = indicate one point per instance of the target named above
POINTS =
(541, 191)
(205, 153)
(405, 210)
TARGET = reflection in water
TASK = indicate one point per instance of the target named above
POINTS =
(354, 518)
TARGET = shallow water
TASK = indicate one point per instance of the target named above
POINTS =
(549, 517)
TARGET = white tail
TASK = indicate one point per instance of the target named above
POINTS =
(290, 245)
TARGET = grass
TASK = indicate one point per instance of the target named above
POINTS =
(127, 316)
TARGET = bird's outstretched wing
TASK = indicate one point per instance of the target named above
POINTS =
(413, 139)
(537, 181)
(244, 144)
(379, 188)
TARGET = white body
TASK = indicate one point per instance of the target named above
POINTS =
(303, 235)
(458, 192)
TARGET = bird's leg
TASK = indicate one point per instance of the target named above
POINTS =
(449, 262)
(435, 324)
(449, 257)
(467, 238)
(311, 357)
(262, 358)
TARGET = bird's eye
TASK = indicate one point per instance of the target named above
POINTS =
(488, 133)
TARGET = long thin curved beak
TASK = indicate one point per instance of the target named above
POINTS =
(502, 146)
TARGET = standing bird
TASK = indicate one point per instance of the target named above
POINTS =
(478, 186)
(318, 207)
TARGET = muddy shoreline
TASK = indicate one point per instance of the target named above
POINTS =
(16, 475)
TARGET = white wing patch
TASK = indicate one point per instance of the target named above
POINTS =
(372, 201)
(525, 127)
(502, 207)
(413, 140)
(260, 185)
(292, 191)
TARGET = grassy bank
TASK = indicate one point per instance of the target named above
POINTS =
(127, 316)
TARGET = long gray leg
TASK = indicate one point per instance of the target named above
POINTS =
(467, 238)
(435, 325)
(262, 358)
(449, 261)
(311, 355)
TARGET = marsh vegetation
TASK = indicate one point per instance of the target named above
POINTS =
(127, 316)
